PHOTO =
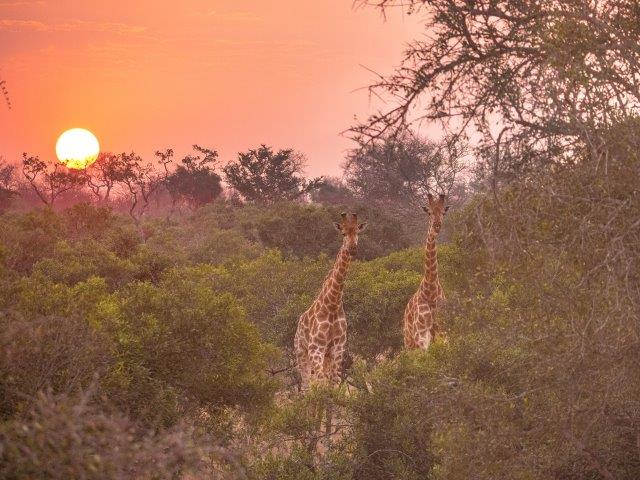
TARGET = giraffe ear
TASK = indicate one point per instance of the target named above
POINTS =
(338, 226)
(362, 226)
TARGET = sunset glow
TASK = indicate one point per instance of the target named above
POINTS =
(77, 148)
(149, 75)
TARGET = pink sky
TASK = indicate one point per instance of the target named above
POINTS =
(231, 74)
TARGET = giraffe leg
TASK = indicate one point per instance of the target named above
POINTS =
(423, 326)
(409, 324)
(301, 350)
(327, 363)
(334, 373)
(328, 432)
(316, 362)
(435, 326)
(317, 358)
(424, 340)
(302, 361)
(336, 355)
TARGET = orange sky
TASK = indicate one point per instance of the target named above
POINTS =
(228, 74)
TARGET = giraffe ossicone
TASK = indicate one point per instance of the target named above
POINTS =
(321, 336)
(419, 327)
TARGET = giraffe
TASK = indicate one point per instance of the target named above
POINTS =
(419, 315)
(321, 336)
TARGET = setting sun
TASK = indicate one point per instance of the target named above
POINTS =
(77, 148)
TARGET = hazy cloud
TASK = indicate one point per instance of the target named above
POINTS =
(69, 26)
(21, 4)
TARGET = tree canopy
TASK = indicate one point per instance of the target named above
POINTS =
(533, 78)
(402, 169)
(263, 175)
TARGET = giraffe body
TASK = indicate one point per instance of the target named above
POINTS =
(321, 336)
(419, 326)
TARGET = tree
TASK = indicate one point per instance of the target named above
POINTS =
(140, 182)
(49, 181)
(401, 169)
(262, 175)
(104, 174)
(8, 183)
(5, 93)
(333, 191)
(542, 76)
(195, 180)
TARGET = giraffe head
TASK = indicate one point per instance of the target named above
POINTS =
(350, 228)
(436, 209)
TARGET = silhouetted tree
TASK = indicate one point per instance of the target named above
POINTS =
(8, 183)
(194, 180)
(104, 174)
(49, 181)
(262, 175)
(5, 93)
(140, 182)
(543, 74)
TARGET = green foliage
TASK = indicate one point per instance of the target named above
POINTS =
(47, 352)
(295, 466)
(73, 263)
(274, 291)
(333, 191)
(307, 230)
(394, 418)
(221, 246)
(29, 237)
(375, 298)
(64, 437)
(180, 340)
(40, 296)
(85, 221)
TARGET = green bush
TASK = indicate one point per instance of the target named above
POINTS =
(64, 437)
(183, 343)
(55, 353)
(374, 302)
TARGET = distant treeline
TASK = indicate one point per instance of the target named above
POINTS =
(127, 182)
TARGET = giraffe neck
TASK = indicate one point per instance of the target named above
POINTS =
(429, 287)
(331, 293)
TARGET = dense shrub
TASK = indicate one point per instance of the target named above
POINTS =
(180, 345)
(375, 298)
(307, 230)
(63, 437)
(52, 353)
